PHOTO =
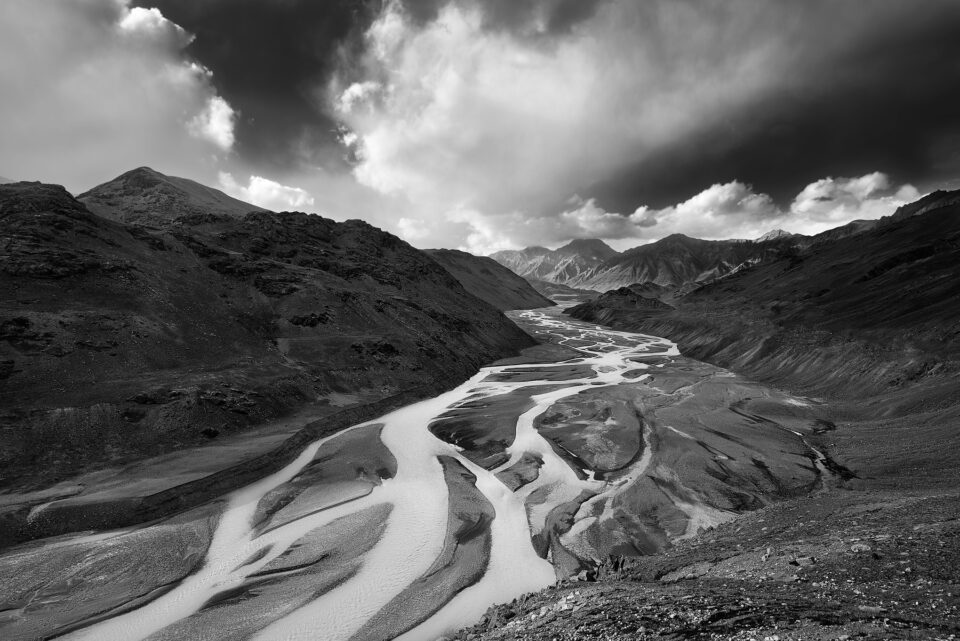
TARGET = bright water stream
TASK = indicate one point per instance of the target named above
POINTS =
(415, 530)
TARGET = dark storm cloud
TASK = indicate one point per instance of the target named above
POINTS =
(526, 17)
(487, 121)
(888, 101)
(477, 122)
(268, 57)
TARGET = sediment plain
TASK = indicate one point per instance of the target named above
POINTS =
(594, 444)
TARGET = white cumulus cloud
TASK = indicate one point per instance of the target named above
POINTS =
(266, 193)
(832, 201)
(215, 123)
(486, 132)
(729, 210)
(94, 88)
(151, 27)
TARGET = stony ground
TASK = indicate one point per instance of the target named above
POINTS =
(841, 565)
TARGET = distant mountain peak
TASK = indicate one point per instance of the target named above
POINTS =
(774, 234)
(588, 248)
(146, 196)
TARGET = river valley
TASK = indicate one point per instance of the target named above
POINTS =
(596, 443)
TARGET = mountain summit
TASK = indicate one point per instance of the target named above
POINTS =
(147, 197)
(588, 248)
(673, 261)
(774, 234)
(571, 265)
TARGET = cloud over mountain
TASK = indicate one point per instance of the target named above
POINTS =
(730, 210)
(267, 193)
(491, 130)
(491, 124)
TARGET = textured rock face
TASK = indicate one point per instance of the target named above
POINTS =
(119, 341)
(569, 265)
(673, 261)
(855, 315)
(490, 281)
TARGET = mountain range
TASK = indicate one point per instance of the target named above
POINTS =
(163, 345)
(861, 312)
(676, 260)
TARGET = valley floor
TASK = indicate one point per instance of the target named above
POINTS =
(595, 447)
(872, 554)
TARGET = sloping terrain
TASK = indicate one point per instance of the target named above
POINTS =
(557, 291)
(867, 326)
(569, 265)
(674, 261)
(678, 259)
(845, 565)
(490, 281)
(860, 314)
(118, 341)
(148, 197)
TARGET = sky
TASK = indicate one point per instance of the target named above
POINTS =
(497, 124)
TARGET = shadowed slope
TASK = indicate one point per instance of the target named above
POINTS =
(117, 341)
(490, 281)
(858, 314)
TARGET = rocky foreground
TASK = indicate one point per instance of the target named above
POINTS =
(853, 564)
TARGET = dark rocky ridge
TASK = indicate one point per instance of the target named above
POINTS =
(119, 341)
(490, 281)
(147, 197)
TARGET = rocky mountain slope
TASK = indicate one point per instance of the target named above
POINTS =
(774, 234)
(490, 281)
(864, 313)
(557, 291)
(119, 341)
(681, 262)
(676, 260)
(845, 565)
(569, 265)
(147, 197)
